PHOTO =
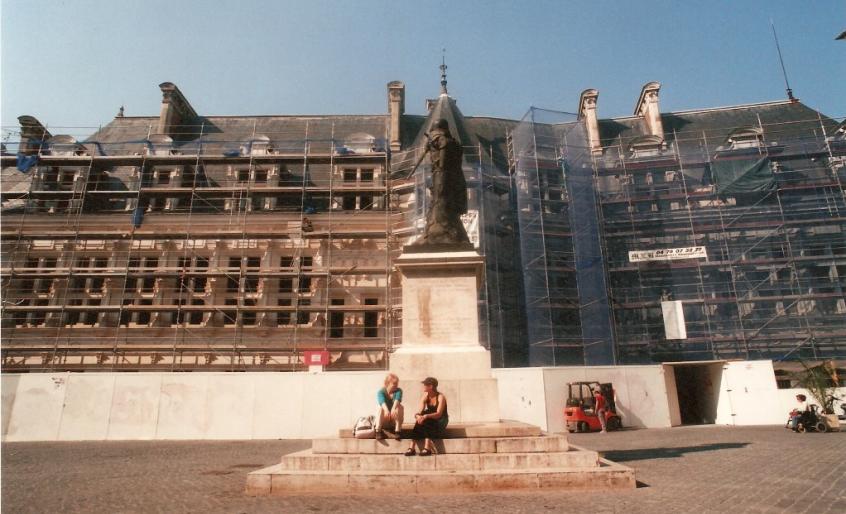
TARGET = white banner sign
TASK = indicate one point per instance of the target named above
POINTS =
(673, 320)
(668, 254)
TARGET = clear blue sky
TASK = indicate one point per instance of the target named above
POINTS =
(73, 63)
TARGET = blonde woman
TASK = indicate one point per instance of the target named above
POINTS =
(389, 399)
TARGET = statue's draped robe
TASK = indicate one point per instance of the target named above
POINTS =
(449, 193)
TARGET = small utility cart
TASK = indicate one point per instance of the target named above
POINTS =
(580, 413)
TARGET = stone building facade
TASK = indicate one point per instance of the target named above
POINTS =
(194, 242)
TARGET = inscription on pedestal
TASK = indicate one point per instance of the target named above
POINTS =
(440, 310)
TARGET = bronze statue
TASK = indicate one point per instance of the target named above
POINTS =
(449, 190)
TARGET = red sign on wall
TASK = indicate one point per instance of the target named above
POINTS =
(316, 358)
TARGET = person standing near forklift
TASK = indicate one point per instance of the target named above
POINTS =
(599, 408)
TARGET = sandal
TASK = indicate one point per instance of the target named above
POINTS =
(410, 452)
(425, 452)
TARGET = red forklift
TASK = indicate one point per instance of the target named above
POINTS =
(580, 413)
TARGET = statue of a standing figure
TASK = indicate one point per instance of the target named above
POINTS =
(449, 190)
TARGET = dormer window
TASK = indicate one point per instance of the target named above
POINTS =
(159, 145)
(744, 137)
(358, 143)
(66, 146)
(646, 146)
(259, 145)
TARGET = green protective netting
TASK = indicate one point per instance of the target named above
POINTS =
(738, 176)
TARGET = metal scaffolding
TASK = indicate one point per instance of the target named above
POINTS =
(736, 230)
(199, 253)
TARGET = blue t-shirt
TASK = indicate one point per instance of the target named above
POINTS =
(383, 397)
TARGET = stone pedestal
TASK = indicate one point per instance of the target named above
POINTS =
(440, 335)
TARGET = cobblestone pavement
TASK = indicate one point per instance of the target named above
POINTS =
(690, 469)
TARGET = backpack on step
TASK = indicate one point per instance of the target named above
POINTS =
(364, 428)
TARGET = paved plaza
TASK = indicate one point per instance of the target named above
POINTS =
(690, 469)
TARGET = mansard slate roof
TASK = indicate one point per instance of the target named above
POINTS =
(222, 133)
(784, 120)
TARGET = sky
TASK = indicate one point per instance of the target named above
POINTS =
(72, 64)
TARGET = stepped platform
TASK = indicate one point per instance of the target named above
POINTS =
(473, 457)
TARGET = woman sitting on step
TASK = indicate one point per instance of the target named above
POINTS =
(431, 420)
(390, 413)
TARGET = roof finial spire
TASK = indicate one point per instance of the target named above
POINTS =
(443, 67)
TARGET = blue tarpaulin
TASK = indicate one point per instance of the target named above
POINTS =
(25, 162)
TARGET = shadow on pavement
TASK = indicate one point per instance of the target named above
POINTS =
(668, 453)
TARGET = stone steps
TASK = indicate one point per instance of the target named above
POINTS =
(473, 457)
(535, 444)
(308, 461)
(503, 429)
(276, 481)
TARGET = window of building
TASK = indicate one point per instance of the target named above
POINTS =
(303, 316)
(350, 176)
(286, 285)
(306, 261)
(371, 319)
(77, 284)
(196, 317)
(304, 284)
(72, 316)
(39, 317)
(243, 175)
(366, 176)
(235, 262)
(230, 316)
(283, 318)
(261, 176)
(254, 262)
(199, 284)
(66, 179)
(95, 285)
(251, 283)
(148, 285)
(143, 317)
(248, 317)
(44, 285)
(348, 203)
(125, 314)
(336, 319)
(26, 285)
(286, 262)
(89, 317)
(232, 284)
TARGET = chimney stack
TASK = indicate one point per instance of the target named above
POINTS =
(175, 111)
(647, 108)
(587, 112)
(396, 108)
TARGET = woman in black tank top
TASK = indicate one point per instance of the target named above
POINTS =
(431, 419)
